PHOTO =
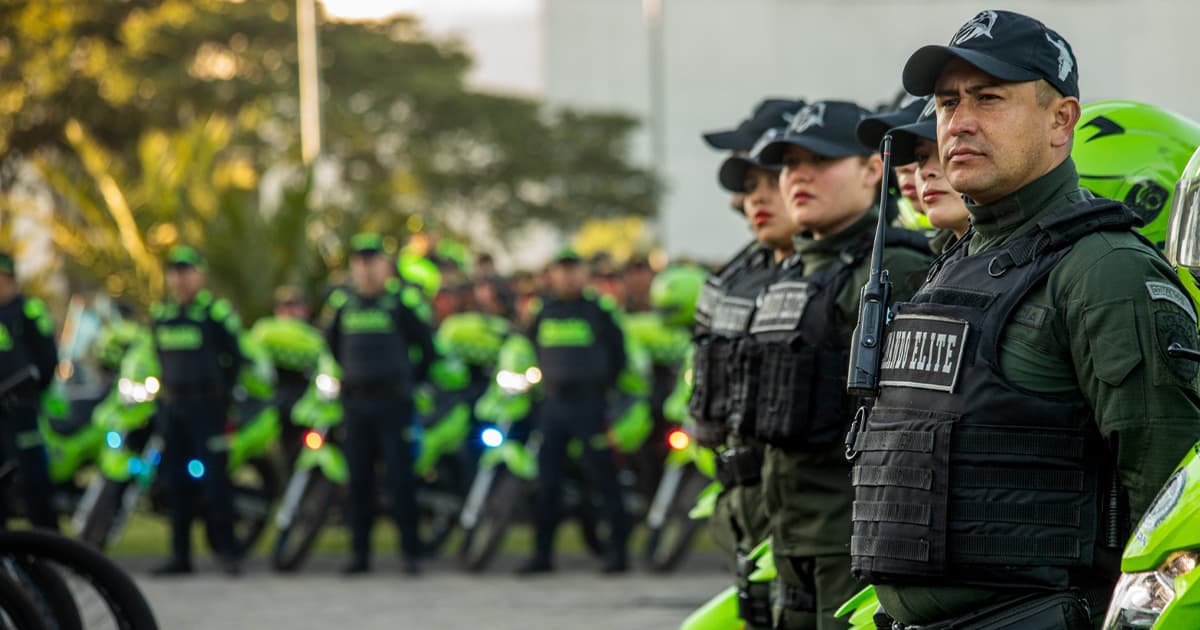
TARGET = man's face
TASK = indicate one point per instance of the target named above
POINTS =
(369, 272)
(993, 137)
(567, 279)
(292, 309)
(637, 282)
(184, 282)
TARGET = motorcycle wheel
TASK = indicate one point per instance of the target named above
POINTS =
(667, 546)
(255, 486)
(481, 542)
(440, 504)
(91, 576)
(294, 542)
(17, 608)
(98, 524)
(48, 590)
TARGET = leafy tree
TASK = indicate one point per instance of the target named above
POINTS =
(177, 120)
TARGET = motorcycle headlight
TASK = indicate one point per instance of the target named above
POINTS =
(328, 387)
(513, 382)
(1140, 598)
(133, 392)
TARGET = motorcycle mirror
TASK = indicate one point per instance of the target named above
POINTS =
(1183, 230)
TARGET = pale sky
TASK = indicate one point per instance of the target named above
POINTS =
(504, 35)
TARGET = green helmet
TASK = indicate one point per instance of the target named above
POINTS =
(257, 375)
(470, 337)
(114, 340)
(1133, 152)
(420, 271)
(291, 343)
(674, 292)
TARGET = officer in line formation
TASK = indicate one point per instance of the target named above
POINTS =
(1024, 375)
(384, 349)
(581, 352)
(196, 338)
(27, 362)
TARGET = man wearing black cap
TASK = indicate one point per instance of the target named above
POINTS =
(719, 403)
(1026, 383)
(196, 338)
(799, 338)
(581, 352)
(384, 349)
(26, 341)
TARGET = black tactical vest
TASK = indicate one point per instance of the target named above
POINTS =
(960, 475)
(374, 350)
(188, 352)
(573, 359)
(723, 314)
(799, 356)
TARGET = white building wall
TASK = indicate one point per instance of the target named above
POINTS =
(722, 56)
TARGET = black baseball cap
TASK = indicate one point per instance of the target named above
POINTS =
(873, 128)
(823, 127)
(1006, 45)
(767, 114)
(904, 138)
(732, 174)
(7, 265)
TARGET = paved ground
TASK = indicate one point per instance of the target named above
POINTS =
(575, 597)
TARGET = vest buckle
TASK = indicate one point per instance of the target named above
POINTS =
(860, 420)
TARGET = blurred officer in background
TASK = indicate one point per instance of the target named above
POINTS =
(26, 341)
(581, 351)
(385, 350)
(196, 338)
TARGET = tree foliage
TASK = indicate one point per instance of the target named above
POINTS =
(178, 120)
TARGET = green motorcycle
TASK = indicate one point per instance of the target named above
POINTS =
(501, 493)
(133, 449)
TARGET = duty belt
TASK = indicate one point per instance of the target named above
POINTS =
(740, 466)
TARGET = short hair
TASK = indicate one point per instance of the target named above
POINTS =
(1046, 93)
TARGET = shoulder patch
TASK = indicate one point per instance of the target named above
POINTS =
(338, 298)
(221, 309)
(1171, 293)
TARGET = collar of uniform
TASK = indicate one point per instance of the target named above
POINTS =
(814, 254)
(998, 221)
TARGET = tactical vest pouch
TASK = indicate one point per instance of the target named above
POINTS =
(1040, 611)
(743, 376)
(754, 598)
(707, 406)
(802, 402)
(740, 466)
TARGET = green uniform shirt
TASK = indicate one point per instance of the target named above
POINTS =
(811, 492)
(1095, 332)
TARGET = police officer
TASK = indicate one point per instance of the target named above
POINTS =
(196, 338)
(718, 403)
(1028, 411)
(384, 350)
(581, 352)
(800, 335)
(26, 341)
